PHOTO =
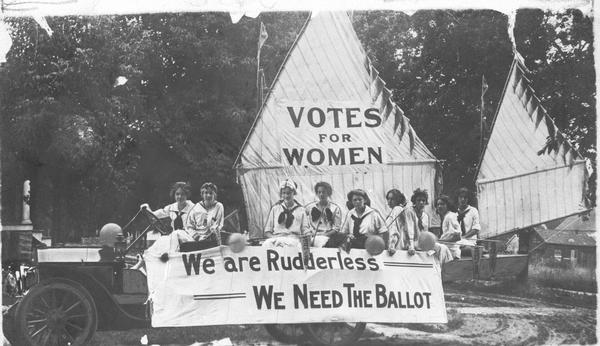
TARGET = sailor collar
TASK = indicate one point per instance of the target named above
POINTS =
(368, 210)
(465, 210)
(294, 206)
(188, 205)
(201, 205)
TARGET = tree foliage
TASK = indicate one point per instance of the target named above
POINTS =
(434, 62)
(95, 150)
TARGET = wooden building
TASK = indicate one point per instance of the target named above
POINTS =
(571, 244)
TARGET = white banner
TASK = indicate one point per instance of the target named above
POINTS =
(262, 285)
(325, 135)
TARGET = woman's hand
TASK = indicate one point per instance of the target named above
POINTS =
(411, 250)
(450, 237)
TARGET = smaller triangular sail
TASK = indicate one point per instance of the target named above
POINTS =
(529, 174)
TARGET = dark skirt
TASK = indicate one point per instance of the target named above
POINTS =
(341, 240)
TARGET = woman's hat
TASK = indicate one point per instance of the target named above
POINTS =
(288, 183)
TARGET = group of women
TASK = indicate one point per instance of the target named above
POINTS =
(323, 220)
(400, 229)
(200, 221)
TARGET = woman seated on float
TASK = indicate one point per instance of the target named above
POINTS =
(450, 225)
(468, 218)
(287, 219)
(207, 216)
(414, 221)
(324, 216)
(362, 220)
(178, 212)
(396, 201)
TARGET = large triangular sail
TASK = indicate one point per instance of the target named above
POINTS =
(529, 173)
(329, 117)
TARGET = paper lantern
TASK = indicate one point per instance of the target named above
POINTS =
(237, 242)
(374, 245)
(426, 241)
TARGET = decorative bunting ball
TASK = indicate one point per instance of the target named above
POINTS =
(426, 241)
(374, 245)
(237, 242)
(108, 234)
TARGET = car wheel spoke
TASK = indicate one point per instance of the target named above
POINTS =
(45, 302)
(70, 317)
(37, 321)
(37, 311)
(44, 327)
(73, 306)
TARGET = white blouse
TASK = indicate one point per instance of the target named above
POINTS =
(323, 223)
(471, 221)
(410, 228)
(392, 222)
(450, 225)
(206, 221)
(299, 223)
(172, 210)
(372, 223)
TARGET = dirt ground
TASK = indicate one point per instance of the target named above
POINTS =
(475, 318)
(482, 317)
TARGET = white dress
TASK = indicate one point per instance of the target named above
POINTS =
(392, 222)
(411, 226)
(450, 225)
(470, 221)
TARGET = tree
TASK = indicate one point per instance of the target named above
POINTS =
(558, 49)
(95, 150)
(434, 61)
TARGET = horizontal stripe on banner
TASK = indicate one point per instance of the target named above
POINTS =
(214, 298)
(408, 266)
(409, 263)
(218, 294)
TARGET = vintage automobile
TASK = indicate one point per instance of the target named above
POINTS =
(81, 290)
